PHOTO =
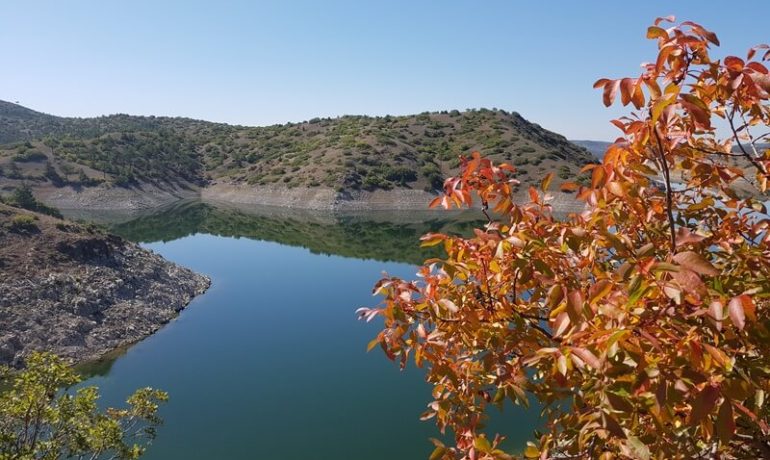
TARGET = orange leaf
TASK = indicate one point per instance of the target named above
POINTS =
(656, 32)
(598, 291)
(637, 97)
(616, 189)
(719, 356)
(533, 195)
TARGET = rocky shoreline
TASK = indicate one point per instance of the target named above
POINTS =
(301, 198)
(80, 293)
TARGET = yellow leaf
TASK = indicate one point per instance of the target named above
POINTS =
(531, 451)
(546, 182)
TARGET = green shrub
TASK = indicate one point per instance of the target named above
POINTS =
(30, 156)
(401, 175)
(23, 223)
(23, 198)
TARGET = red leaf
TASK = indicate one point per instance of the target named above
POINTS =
(626, 90)
(695, 262)
(703, 404)
(757, 67)
(575, 305)
(610, 89)
(690, 282)
(717, 313)
(734, 63)
(588, 357)
(725, 421)
(560, 324)
(736, 311)
(686, 236)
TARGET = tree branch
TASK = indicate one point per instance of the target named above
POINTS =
(745, 152)
(669, 193)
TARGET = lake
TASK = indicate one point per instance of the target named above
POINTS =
(271, 362)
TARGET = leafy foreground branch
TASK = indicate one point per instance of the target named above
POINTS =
(642, 324)
(40, 420)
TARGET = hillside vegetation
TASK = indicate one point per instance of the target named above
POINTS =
(345, 153)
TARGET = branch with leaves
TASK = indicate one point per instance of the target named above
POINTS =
(640, 324)
(41, 419)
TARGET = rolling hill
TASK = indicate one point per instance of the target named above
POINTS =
(346, 156)
(597, 148)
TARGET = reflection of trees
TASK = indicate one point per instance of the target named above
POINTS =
(350, 235)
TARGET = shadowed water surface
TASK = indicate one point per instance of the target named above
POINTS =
(271, 361)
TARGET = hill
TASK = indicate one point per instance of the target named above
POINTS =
(597, 148)
(343, 156)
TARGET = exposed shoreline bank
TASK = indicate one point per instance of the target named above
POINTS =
(147, 197)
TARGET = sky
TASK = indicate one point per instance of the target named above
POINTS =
(266, 62)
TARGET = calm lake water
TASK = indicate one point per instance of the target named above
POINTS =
(271, 362)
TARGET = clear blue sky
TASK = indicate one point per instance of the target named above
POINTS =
(265, 62)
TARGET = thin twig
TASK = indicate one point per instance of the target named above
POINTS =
(746, 154)
(669, 193)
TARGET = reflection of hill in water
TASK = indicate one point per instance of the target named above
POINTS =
(379, 236)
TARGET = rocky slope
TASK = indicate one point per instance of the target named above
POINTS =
(79, 292)
(355, 162)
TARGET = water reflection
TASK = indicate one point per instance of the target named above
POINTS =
(383, 236)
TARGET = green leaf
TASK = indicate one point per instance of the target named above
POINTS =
(639, 449)
(481, 443)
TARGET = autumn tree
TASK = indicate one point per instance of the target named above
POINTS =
(641, 324)
(40, 419)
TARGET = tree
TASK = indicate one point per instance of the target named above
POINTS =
(39, 420)
(22, 197)
(642, 324)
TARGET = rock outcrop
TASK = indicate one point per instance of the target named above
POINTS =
(79, 292)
